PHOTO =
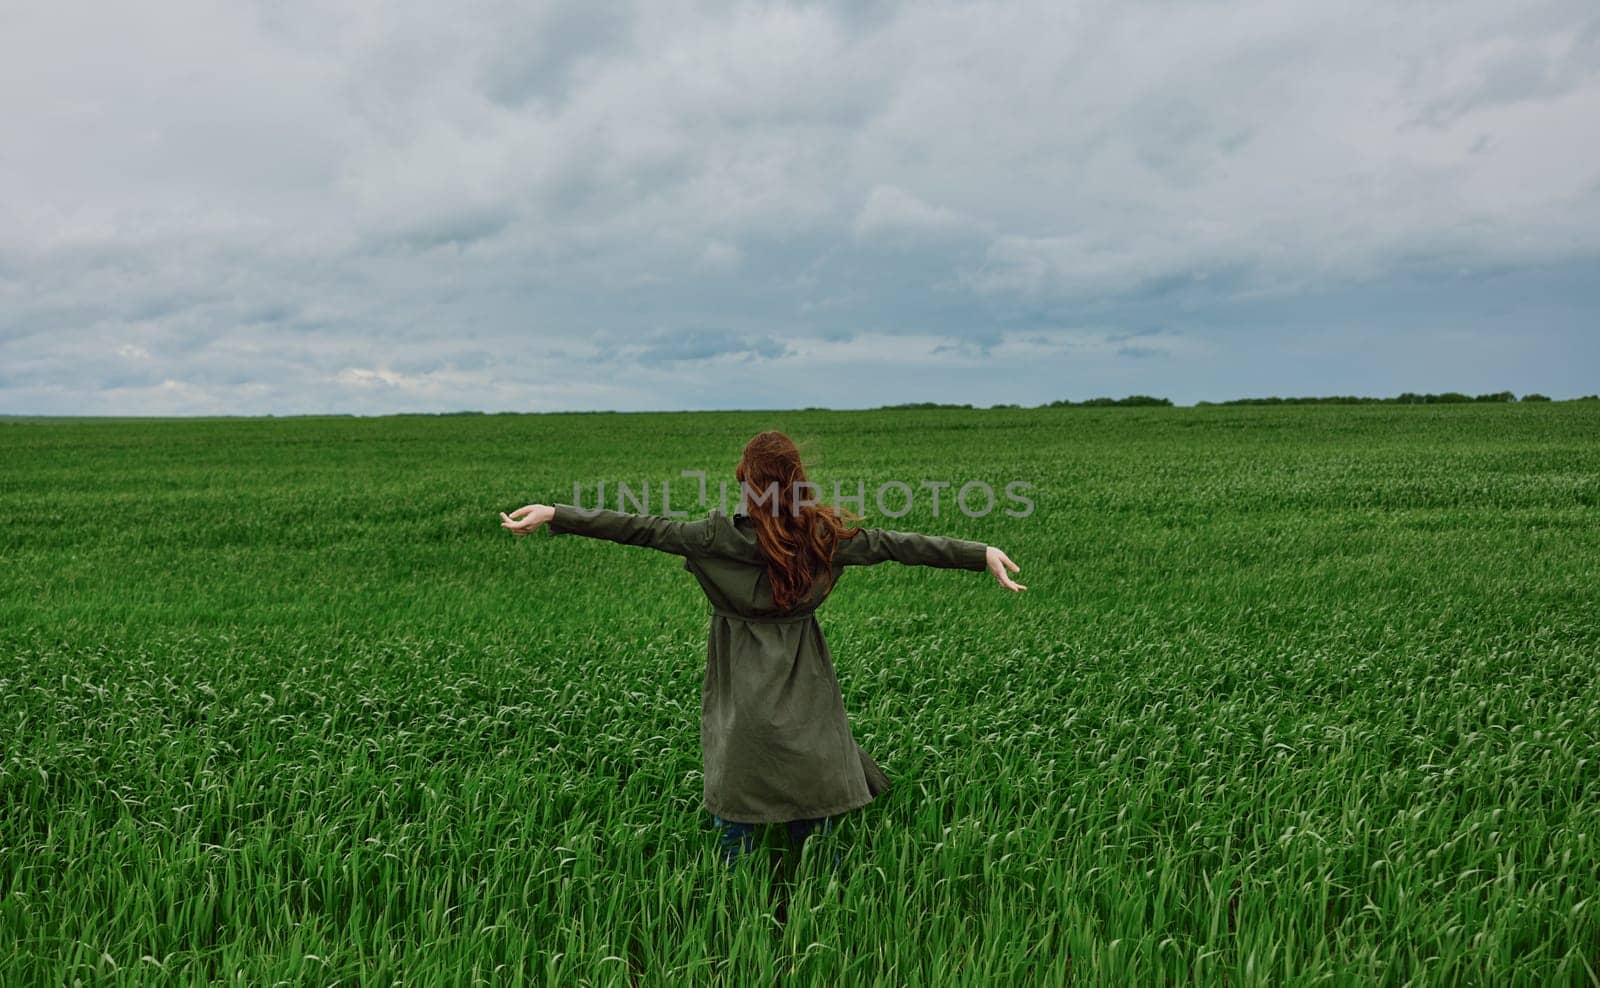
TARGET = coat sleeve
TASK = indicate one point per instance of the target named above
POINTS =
(876, 545)
(681, 538)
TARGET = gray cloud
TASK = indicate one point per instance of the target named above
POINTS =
(318, 208)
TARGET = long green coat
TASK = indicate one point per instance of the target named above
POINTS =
(773, 733)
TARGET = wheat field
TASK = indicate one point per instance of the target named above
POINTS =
(1297, 695)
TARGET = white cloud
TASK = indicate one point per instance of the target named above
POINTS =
(721, 256)
(369, 377)
(894, 213)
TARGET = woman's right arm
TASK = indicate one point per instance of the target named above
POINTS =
(869, 546)
(681, 538)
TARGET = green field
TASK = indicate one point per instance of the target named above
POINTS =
(1297, 695)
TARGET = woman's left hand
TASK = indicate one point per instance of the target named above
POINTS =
(526, 520)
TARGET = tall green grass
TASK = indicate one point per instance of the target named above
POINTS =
(1297, 695)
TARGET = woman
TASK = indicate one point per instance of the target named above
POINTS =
(776, 744)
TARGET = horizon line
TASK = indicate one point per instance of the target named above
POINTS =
(1129, 401)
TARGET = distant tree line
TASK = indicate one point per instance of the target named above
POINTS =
(1131, 400)
(1147, 401)
(1405, 398)
(1134, 401)
(917, 405)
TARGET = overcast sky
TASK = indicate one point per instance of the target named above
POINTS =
(227, 208)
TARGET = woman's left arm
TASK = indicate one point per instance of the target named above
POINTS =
(681, 538)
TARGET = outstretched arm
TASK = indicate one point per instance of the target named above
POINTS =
(681, 538)
(870, 546)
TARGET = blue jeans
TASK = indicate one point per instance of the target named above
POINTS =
(739, 839)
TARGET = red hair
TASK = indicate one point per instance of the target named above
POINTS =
(796, 539)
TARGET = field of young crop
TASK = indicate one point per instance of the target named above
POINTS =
(1296, 695)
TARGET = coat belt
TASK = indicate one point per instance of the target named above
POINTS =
(763, 618)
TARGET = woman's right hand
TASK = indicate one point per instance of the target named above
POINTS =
(999, 563)
(526, 520)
